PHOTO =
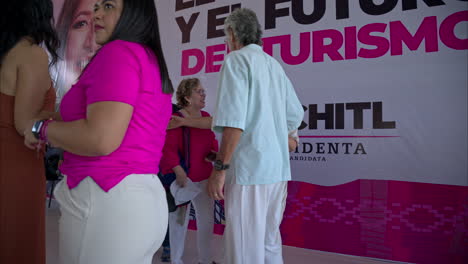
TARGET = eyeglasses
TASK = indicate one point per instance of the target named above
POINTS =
(200, 92)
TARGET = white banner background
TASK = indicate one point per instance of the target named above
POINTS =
(424, 93)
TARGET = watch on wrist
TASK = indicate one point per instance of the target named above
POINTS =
(36, 129)
(219, 166)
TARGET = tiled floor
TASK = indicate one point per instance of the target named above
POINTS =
(291, 255)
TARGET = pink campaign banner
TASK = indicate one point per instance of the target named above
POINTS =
(401, 221)
(381, 170)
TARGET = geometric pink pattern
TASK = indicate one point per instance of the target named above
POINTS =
(398, 215)
(394, 220)
(444, 220)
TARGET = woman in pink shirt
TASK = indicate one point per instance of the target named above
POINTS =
(113, 206)
(201, 144)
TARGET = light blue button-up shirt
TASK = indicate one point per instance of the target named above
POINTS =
(255, 95)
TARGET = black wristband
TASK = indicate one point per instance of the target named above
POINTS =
(219, 166)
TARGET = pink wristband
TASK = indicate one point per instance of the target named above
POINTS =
(43, 132)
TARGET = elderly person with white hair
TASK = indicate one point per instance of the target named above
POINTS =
(255, 109)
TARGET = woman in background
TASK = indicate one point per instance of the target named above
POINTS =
(25, 91)
(201, 144)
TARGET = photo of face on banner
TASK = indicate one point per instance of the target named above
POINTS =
(75, 28)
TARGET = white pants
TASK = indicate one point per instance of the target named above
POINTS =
(253, 216)
(123, 226)
(204, 212)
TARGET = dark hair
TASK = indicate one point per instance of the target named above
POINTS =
(139, 23)
(28, 18)
(185, 89)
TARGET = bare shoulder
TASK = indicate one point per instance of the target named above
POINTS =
(27, 54)
(24, 57)
(30, 54)
(9, 67)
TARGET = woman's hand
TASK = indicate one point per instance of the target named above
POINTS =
(30, 140)
(181, 178)
(175, 122)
